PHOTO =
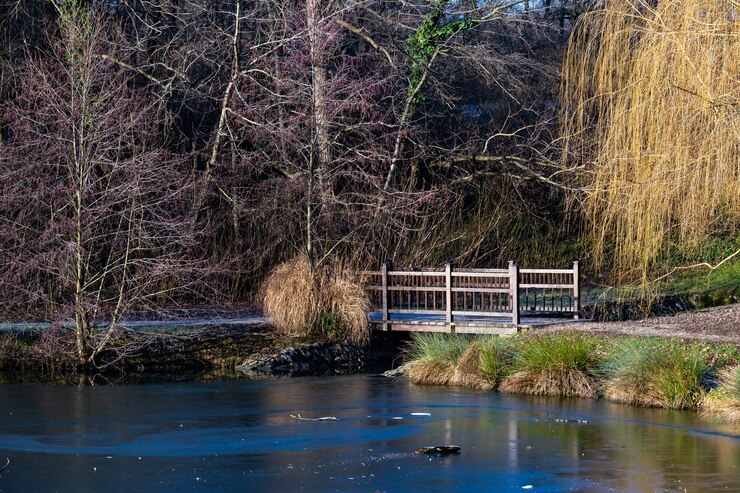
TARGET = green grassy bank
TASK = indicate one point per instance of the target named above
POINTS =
(668, 373)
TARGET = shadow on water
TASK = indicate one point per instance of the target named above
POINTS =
(239, 436)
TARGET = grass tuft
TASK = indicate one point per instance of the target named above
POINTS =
(655, 373)
(484, 364)
(451, 359)
(561, 364)
(435, 357)
(325, 302)
(723, 403)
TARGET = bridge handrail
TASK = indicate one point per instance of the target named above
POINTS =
(491, 292)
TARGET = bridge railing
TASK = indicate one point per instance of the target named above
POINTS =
(471, 294)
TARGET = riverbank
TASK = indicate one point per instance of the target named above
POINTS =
(250, 347)
(231, 350)
(638, 369)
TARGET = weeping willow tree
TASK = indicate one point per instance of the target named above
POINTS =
(652, 112)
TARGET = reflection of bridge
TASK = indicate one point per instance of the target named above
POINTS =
(471, 301)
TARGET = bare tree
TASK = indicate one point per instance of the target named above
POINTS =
(95, 210)
(420, 130)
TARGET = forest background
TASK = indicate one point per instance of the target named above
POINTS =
(164, 153)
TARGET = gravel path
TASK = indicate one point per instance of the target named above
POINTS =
(721, 324)
(154, 325)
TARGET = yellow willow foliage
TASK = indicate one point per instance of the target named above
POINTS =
(652, 99)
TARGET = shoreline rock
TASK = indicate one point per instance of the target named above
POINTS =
(326, 358)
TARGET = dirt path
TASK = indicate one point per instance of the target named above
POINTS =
(721, 324)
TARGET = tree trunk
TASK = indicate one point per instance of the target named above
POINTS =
(319, 79)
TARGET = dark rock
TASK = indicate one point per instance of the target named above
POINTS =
(328, 358)
(323, 358)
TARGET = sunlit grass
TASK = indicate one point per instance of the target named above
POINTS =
(655, 372)
(559, 364)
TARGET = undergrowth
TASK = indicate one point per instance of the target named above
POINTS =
(560, 364)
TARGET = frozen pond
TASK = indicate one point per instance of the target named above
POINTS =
(239, 436)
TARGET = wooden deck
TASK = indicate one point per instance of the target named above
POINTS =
(489, 326)
(471, 301)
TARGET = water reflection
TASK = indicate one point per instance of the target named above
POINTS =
(239, 436)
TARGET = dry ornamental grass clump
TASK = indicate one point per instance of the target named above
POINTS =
(651, 94)
(323, 301)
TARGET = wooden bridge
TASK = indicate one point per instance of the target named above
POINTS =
(471, 301)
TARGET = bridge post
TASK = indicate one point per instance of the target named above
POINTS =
(387, 265)
(448, 292)
(514, 291)
(576, 290)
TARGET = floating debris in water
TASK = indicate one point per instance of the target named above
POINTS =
(563, 420)
(440, 449)
(324, 418)
(527, 487)
(397, 417)
(421, 414)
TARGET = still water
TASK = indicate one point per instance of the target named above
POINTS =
(239, 436)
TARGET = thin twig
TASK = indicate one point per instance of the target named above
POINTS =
(694, 266)
(325, 418)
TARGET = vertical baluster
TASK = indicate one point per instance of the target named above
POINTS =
(384, 291)
(576, 290)
(514, 285)
(418, 285)
(448, 293)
